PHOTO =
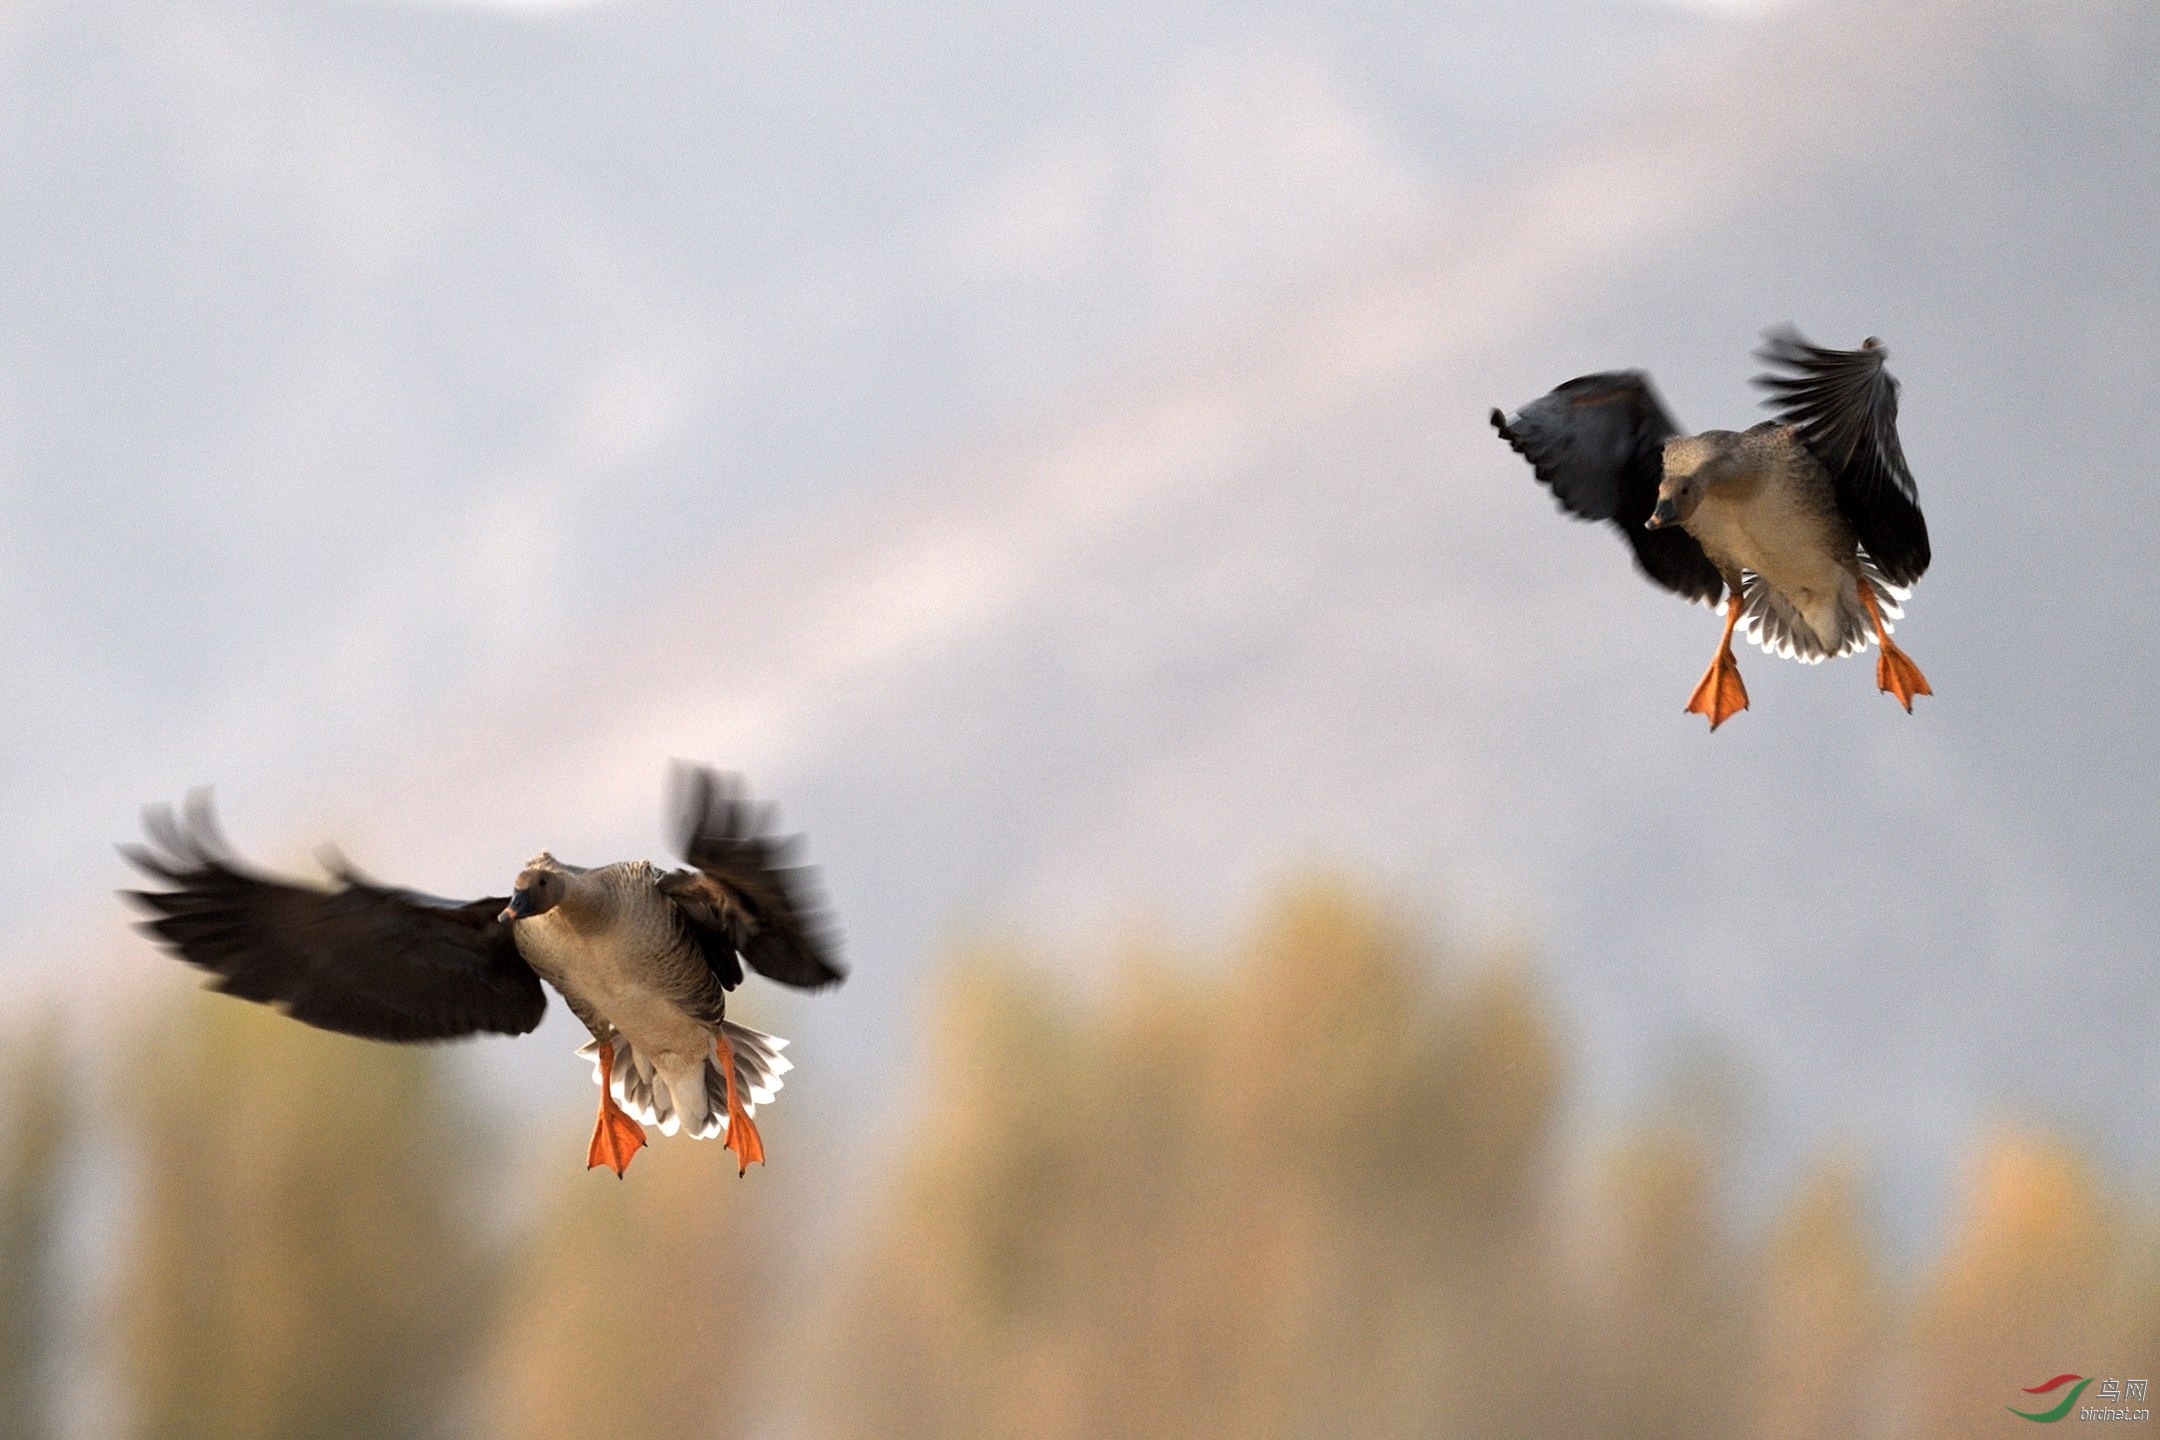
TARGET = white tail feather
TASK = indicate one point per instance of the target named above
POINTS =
(673, 1102)
(1774, 623)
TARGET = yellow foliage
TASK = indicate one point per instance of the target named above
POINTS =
(1823, 1319)
(1311, 1190)
(2026, 1291)
(639, 1307)
(302, 1263)
(34, 1127)
(1227, 1207)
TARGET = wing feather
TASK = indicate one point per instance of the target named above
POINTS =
(1598, 442)
(361, 959)
(746, 901)
(1843, 404)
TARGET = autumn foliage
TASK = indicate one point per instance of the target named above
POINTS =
(1326, 1183)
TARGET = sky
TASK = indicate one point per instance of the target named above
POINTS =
(1047, 452)
(361, 359)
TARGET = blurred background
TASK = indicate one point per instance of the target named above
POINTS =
(1309, 977)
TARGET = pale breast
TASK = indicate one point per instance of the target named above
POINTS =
(1786, 528)
(1784, 525)
(635, 970)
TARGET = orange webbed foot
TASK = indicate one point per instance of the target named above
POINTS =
(616, 1138)
(1719, 695)
(1896, 673)
(744, 1140)
(742, 1132)
(1894, 669)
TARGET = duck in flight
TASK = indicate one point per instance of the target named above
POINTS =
(1808, 526)
(644, 956)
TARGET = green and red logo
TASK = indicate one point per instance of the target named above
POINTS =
(2069, 1401)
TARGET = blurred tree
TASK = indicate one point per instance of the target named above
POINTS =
(1670, 1299)
(2132, 1316)
(1292, 1199)
(2023, 1292)
(34, 1156)
(640, 1306)
(934, 1331)
(302, 1267)
(1506, 1358)
(1313, 1191)
(1824, 1328)
(1389, 1110)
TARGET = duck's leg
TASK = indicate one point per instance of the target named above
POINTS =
(1894, 669)
(742, 1136)
(616, 1138)
(1719, 695)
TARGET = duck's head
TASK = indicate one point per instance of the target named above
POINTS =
(1692, 464)
(539, 889)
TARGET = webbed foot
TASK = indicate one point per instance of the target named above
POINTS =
(616, 1138)
(1896, 673)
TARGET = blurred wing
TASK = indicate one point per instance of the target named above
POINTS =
(744, 902)
(1599, 442)
(360, 959)
(1843, 404)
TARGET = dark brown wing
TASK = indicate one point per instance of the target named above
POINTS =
(744, 901)
(360, 959)
(1843, 403)
(1599, 442)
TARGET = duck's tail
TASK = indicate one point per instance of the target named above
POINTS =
(1841, 627)
(695, 1102)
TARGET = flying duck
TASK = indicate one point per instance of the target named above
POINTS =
(644, 956)
(1808, 526)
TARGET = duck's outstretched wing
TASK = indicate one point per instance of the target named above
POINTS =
(360, 959)
(1599, 442)
(745, 901)
(1843, 404)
